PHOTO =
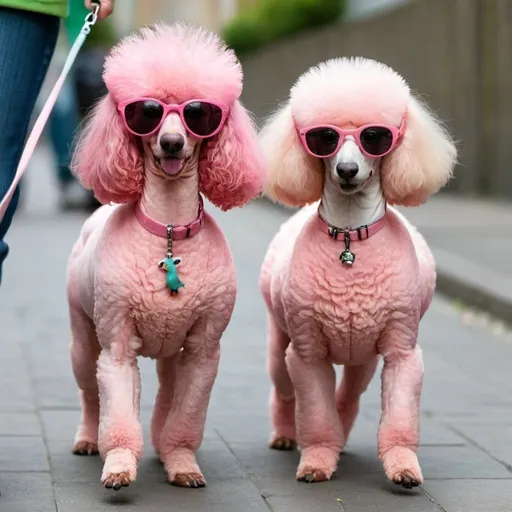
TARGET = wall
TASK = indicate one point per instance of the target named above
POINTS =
(211, 14)
(456, 53)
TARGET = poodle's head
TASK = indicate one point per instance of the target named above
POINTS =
(172, 108)
(353, 121)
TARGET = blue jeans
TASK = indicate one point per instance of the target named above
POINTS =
(27, 42)
(63, 123)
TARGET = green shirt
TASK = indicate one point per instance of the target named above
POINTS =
(102, 34)
(53, 7)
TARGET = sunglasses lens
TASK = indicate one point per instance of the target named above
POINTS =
(322, 142)
(142, 117)
(202, 118)
(376, 140)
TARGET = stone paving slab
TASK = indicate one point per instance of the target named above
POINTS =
(466, 439)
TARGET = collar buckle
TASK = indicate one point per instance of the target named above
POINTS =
(333, 232)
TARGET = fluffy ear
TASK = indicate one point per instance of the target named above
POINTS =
(231, 171)
(107, 159)
(422, 163)
(295, 178)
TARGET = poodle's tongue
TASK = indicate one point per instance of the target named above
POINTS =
(171, 166)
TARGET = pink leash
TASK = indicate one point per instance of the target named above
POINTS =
(41, 121)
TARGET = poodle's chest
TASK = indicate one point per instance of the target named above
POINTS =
(165, 301)
(164, 313)
(346, 307)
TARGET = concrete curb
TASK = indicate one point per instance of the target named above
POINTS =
(459, 278)
(475, 286)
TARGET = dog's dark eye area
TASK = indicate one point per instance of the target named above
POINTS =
(202, 118)
(322, 141)
(152, 109)
(143, 116)
(376, 140)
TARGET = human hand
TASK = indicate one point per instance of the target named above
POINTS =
(106, 7)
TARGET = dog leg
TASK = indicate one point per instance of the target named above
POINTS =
(353, 384)
(282, 397)
(398, 437)
(120, 432)
(184, 428)
(84, 355)
(166, 370)
(318, 426)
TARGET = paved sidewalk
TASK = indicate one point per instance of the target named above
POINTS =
(472, 244)
(466, 445)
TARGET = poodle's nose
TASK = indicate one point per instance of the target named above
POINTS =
(347, 170)
(172, 142)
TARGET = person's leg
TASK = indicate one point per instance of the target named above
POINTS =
(63, 124)
(27, 42)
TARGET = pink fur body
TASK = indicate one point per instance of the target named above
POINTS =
(302, 278)
(322, 312)
(120, 306)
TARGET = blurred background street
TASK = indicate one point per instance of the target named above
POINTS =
(457, 54)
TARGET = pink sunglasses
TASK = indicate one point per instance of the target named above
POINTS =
(374, 140)
(202, 118)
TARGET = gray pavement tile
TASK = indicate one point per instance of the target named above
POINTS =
(56, 393)
(15, 389)
(483, 415)
(472, 495)
(224, 496)
(459, 462)
(26, 492)
(60, 425)
(23, 454)
(495, 439)
(19, 424)
(353, 495)
(69, 468)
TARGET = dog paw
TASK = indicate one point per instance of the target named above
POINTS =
(116, 480)
(182, 468)
(402, 467)
(406, 479)
(194, 480)
(317, 464)
(120, 469)
(282, 443)
(310, 475)
(85, 448)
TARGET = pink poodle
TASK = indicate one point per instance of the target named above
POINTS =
(153, 276)
(348, 279)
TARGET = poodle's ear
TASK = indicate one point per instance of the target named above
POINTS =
(231, 171)
(422, 163)
(107, 159)
(295, 178)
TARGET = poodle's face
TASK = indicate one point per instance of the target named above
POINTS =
(171, 147)
(349, 169)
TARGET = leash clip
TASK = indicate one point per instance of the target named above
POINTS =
(91, 19)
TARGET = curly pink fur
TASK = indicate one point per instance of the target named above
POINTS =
(197, 64)
(230, 166)
(107, 159)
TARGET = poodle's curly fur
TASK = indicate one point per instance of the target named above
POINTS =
(321, 312)
(119, 304)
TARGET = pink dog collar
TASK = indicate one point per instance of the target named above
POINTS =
(351, 235)
(358, 234)
(178, 232)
